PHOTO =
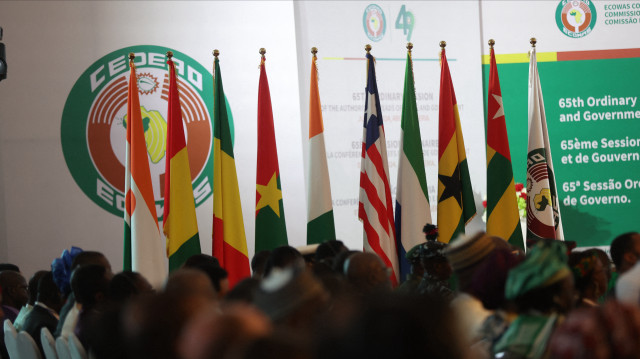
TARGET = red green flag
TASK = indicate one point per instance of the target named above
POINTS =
(503, 219)
(229, 241)
(179, 219)
(143, 245)
(271, 231)
(456, 206)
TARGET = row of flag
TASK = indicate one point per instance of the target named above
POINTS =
(388, 233)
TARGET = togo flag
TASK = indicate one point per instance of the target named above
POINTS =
(320, 223)
(456, 206)
(143, 245)
(543, 212)
(503, 219)
(229, 241)
(179, 220)
(412, 199)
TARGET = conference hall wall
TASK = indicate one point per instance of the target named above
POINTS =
(61, 158)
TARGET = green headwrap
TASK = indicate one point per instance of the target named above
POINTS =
(546, 264)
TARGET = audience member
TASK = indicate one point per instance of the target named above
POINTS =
(367, 274)
(625, 251)
(45, 310)
(15, 293)
(436, 270)
(33, 295)
(589, 277)
(258, 263)
(283, 257)
(90, 285)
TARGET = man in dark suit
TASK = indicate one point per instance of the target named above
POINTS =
(45, 311)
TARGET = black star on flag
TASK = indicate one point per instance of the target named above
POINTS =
(452, 186)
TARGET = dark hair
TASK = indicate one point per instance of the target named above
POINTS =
(282, 257)
(581, 280)
(33, 286)
(201, 259)
(86, 258)
(541, 299)
(329, 249)
(621, 245)
(88, 281)
(259, 261)
(214, 272)
(124, 285)
(48, 292)
(9, 266)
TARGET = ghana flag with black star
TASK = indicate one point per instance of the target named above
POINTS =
(271, 231)
(456, 206)
(503, 219)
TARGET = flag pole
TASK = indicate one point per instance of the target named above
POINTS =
(169, 54)
(533, 42)
(262, 52)
(491, 43)
(216, 53)
(132, 56)
(314, 51)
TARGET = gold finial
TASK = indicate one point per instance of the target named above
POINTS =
(216, 53)
(443, 44)
(409, 46)
(491, 43)
(169, 54)
(367, 47)
(533, 42)
(132, 56)
(263, 51)
(314, 50)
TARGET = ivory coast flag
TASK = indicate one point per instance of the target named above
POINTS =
(320, 224)
(543, 212)
(143, 245)
(412, 198)
(503, 219)
(456, 206)
(229, 242)
(179, 220)
(271, 231)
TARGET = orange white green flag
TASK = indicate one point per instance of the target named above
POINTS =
(143, 244)
(229, 241)
(179, 219)
(456, 206)
(320, 222)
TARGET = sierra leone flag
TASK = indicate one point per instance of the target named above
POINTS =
(412, 199)
(503, 219)
(320, 223)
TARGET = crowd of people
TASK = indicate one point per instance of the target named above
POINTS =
(477, 297)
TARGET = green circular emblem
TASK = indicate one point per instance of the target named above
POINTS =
(93, 130)
(576, 18)
(374, 22)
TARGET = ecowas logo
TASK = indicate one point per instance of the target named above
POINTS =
(374, 22)
(94, 123)
(576, 18)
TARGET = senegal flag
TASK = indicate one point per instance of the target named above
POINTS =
(455, 196)
(271, 231)
(320, 224)
(143, 245)
(229, 242)
(503, 219)
(179, 220)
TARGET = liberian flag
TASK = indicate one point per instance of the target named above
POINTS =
(143, 245)
(271, 230)
(320, 224)
(543, 212)
(503, 219)
(456, 206)
(376, 208)
(412, 199)
(229, 241)
(179, 220)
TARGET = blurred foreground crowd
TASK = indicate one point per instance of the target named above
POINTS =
(477, 297)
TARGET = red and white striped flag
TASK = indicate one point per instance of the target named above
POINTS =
(376, 208)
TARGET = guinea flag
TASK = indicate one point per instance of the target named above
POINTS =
(143, 245)
(320, 223)
(456, 206)
(229, 242)
(503, 219)
(271, 231)
(179, 220)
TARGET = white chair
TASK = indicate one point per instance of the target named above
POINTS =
(76, 349)
(48, 344)
(27, 347)
(11, 339)
(62, 348)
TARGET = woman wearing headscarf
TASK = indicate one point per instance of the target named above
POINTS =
(589, 276)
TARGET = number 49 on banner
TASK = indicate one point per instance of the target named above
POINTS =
(405, 22)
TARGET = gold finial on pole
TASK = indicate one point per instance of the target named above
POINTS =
(216, 53)
(314, 51)
(533, 42)
(262, 51)
(132, 56)
(367, 47)
(409, 46)
(443, 44)
(169, 54)
(491, 43)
